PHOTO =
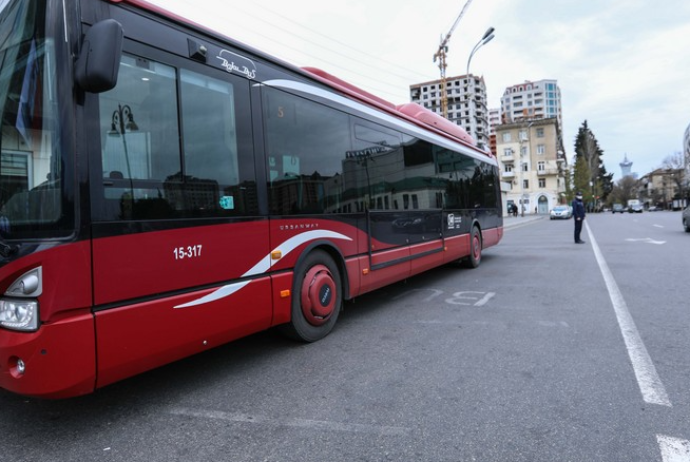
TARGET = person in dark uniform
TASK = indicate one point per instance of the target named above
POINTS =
(579, 216)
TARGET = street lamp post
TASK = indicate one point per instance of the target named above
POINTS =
(123, 122)
(486, 38)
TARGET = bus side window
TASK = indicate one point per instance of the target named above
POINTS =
(139, 129)
(307, 146)
(144, 174)
(219, 178)
(139, 142)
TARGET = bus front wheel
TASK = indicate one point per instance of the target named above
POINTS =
(316, 298)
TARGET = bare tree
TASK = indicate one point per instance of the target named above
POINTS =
(624, 189)
(674, 165)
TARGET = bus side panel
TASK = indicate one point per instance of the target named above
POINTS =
(144, 264)
(386, 268)
(457, 247)
(282, 308)
(60, 359)
(141, 337)
(491, 237)
(426, 256)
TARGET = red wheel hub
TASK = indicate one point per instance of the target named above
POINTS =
(476, 247)
(318, 295)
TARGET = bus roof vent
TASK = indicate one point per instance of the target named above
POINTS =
(432, 119)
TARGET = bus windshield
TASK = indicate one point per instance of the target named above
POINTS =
(31, 166)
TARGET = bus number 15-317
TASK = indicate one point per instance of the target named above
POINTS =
(191, 251)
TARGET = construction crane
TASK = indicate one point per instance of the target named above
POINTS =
(441, 56)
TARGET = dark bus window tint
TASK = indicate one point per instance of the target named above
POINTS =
(374, 169)
(471, 183)
(421, 183)
(306, 146)
(214, 151)
(417, 152)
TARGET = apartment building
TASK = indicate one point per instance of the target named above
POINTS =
(467, 106)
(532, 100)
(494, 121)
(531, 159)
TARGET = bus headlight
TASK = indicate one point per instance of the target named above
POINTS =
(19, 314)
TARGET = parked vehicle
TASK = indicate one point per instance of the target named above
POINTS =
(635, 208)
(617, 208)
(686, 219)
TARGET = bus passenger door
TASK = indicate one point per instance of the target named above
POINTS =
(178, 242)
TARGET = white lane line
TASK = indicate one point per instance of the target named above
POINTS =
(673, 449)
(299, 423)
(653, 390)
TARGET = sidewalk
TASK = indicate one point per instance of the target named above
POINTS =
(510, 222)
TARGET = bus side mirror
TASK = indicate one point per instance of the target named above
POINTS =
(99, 61)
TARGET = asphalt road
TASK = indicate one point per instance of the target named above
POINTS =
(549, 351)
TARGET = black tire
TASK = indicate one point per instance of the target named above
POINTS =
(316, 298)
(475, 257)
(686, 224)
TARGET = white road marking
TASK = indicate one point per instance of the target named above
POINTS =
(658, 226)
(434, 293)
(485, 299)
(647, 240)
(673, 449)
(299, 423)
(653, 390)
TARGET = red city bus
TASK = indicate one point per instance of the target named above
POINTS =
(165, 190)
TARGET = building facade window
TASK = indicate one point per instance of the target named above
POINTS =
(541, 149)
(542, 182)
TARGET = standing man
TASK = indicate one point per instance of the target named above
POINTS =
(579, 215)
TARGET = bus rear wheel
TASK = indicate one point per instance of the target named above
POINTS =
(316, 298)
(475, 257)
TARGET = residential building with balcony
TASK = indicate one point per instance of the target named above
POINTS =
(467, 103)
(494, 120)
(662, 188)
(531, 101)
(531, 159)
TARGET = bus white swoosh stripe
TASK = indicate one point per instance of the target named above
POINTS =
(264, 265)
(222, 292)
(290, 245)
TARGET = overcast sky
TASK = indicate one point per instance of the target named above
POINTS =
(622, 65)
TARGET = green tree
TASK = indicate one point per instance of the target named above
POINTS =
(599, 183)
(581, 179)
